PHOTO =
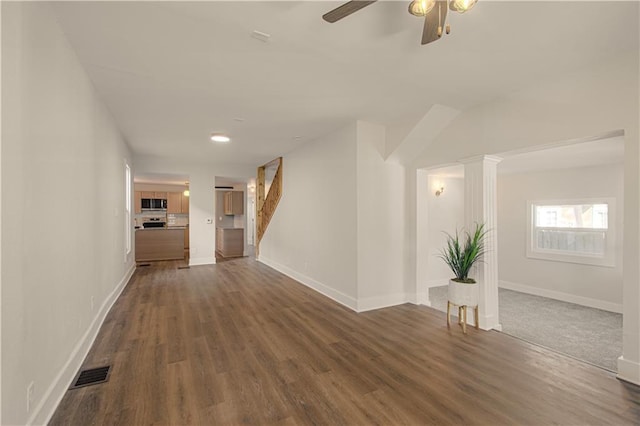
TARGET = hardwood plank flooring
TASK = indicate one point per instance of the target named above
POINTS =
(239, 343)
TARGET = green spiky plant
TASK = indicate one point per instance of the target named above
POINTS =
(462, 252)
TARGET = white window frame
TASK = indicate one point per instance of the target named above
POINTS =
(127, 211)
(609, 257)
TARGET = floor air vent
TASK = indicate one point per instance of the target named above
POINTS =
(143, 264)
(184, 267)
(92, 376)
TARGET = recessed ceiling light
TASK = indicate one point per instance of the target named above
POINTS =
(219, 137)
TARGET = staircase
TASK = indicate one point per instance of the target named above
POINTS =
(266, 202)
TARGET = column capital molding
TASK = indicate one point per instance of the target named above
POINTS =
(495, 159)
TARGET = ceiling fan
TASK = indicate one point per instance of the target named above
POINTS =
(434, 12)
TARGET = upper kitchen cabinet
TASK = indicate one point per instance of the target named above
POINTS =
(156, 195)
(185, 203)
(233, 202)
(137, 203)
(174, 202)
(177, 202)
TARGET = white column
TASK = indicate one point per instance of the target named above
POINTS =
(422, 237)
(629, 362)
(480, 206)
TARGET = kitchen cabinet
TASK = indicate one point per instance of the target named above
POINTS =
(233, 202)
(152, 194)
(137, 203)
(159, 244)
(174, 202)
(186, 242)
(185, 203)
(177, 202)
(230, 242)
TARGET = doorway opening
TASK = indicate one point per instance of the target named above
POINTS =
(561, 303)
(234, 218)
(161, 217)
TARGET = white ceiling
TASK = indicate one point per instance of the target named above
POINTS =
(575, 155)
(173, 72)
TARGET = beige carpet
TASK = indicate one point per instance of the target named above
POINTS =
(588, 334)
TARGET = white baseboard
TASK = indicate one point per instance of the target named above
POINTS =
(565, 297)
(421, 298)
(379, 302)
(331, 293)
(629, 371)
(47, 406)
(202, 261)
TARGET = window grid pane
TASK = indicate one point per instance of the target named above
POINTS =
(583, 242)
(589, 216)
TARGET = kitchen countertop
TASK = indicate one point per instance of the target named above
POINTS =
(160, 229)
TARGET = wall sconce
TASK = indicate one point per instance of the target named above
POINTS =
(439, 191)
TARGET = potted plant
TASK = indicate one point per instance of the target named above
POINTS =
(460, 254)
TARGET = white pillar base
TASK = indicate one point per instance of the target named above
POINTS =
(629, 371)
(489, 322)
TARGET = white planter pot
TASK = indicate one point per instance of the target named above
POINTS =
(462, 294)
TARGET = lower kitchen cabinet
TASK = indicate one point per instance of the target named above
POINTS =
(230, 242)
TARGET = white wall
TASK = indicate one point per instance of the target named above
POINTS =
(380, 222)
(445, 214)
(63, 251)
(312, 235)
(596, 286)
(339, 227)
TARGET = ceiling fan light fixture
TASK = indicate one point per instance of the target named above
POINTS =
(421, 7)
(461, 6)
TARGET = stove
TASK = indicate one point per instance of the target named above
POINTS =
(154, 222)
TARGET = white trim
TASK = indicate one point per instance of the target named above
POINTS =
(482, 157)
(323, 289)
(629, 371)
(420, 299)
(51, 399)
(565, 297)
(202, 261)
(379, 302)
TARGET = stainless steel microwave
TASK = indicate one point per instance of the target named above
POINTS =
(153, 204)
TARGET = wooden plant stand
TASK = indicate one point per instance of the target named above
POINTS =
(462, 315)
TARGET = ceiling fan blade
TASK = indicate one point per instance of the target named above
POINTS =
(436, 17)
(345, 10)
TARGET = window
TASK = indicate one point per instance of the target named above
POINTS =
(127, 210)
(577, 231)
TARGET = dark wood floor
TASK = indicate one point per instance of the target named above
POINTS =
(238, 343)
